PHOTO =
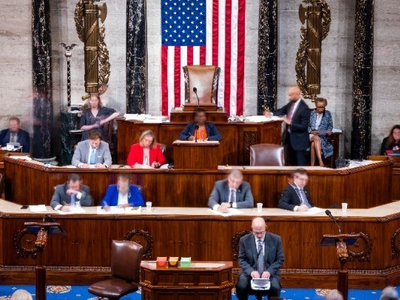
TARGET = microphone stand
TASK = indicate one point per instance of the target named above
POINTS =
(197, 96)
(195, 133)
(329, 214)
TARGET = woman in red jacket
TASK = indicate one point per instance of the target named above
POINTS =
(146, 153)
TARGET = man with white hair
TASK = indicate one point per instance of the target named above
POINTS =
(389, 293)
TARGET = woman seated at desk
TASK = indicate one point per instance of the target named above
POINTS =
(392, 141)
(123, 194)
(200, 129)
(147, 153)
(320, 127)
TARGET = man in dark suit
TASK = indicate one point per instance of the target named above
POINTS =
(295, 196)
(14, 134)
(297, 118)
(71, 193)
(260, 256)
(231, 192)
(92, 152)
(200, 129)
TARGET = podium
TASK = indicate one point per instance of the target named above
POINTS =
(41, 230)
(202, 280)
(196, 155)
(341, 241)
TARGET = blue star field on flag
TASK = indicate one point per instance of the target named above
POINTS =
(183, 22)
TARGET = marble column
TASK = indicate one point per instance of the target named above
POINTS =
(42, 79)
(267, 55)
(362, 79)
(136, 57)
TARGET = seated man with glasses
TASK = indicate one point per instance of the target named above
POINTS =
(260, 256)
(295, 196)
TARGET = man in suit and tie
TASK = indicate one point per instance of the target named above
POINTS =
(260, 256)
(71, 193)
(295, 196)
(231, 192)
(297, 118)
(92, 152)
(14, 134)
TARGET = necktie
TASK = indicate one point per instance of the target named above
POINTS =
(93, 157)
(13, 139)
(73, 201)
(260, 257)
(290, 113)
(232, 196)
(303, 198)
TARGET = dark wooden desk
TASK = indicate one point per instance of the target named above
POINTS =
(203, 280)
(83, 255)
(395, 186)
(361, 187)
(188, 116)
(234, 148)
(196, 156)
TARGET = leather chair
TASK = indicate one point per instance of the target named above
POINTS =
(205, 80)
(126, 257)
(267, 155)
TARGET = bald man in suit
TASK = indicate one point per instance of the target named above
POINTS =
(251, 246)
(297, 117)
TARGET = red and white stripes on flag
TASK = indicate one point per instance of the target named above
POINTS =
(225, 48)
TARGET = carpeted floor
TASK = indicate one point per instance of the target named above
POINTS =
(80, 292)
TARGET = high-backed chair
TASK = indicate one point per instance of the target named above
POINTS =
(267, 155)
(205, 80)
(126, 257)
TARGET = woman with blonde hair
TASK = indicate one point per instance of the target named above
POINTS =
(146, 153)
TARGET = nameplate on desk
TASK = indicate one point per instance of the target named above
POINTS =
(178, 142)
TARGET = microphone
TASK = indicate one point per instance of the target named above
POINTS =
(195, 91)
(195, 133)
(50, 218)
(329, 214)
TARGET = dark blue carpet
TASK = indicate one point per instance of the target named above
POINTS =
(81, 292)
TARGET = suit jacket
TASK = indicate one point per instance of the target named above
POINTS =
(60, 196)
(299, 129)
(22, 138)
(81, 154)
(136, 155)
(212, 132)
(220, 193)
(290, 198)
(273, 254)
(111, 197)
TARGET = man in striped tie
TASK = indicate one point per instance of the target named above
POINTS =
(260, 256)
(295, 196)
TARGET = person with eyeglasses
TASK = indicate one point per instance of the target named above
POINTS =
(320, 127)
(260, 256)
(295, 196)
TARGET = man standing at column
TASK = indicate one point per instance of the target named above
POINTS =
(297, 118)
(260, 256)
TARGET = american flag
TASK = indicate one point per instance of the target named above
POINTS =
(203, 32)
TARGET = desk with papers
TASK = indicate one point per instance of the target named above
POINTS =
(363, 185)
(83, 255)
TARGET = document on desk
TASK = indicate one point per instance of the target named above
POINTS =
(313, 210)
(37, 208)
(231, 212)
(119, 210)
(73, 210)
